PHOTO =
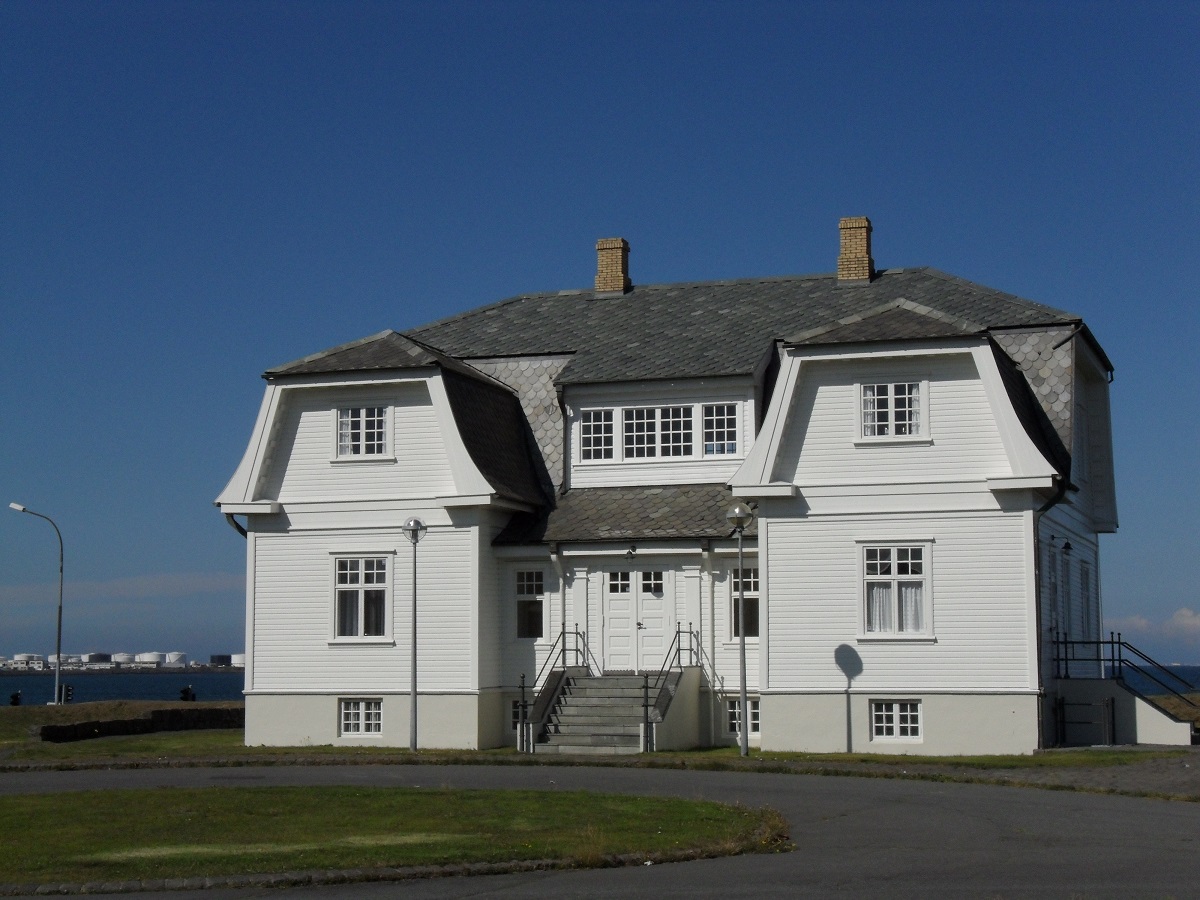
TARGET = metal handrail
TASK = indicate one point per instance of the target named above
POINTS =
(1113, 662)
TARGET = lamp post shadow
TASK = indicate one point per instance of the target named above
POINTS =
(851, 664)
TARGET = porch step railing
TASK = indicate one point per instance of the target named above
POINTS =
(1116, 659)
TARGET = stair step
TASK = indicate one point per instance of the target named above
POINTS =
(588, 751)
(593, 740)
(603, 728)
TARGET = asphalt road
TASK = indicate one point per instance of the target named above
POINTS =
(855, 837)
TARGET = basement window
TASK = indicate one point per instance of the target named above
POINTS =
(360, 717)
(896, 720)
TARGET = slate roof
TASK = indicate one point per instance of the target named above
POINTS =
(629, 514)
(719, 328)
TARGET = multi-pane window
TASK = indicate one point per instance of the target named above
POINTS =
(596, 434)
(362, 596)
(1085, 596)
(894, 589)
(733, 715)
(658, 432)
(744, 580)
(891, 410)
(652, 582)
(618, 582)
(720, 429)
(530, 588)
(895, 719)
(675, 424)
(641, 433)
(362, 431)
(361, 716)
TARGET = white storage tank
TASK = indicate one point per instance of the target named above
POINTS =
(151, 658)
(176, 660)
(238, 660)
(122, 659)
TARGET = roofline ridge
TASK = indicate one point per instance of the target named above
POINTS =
(997, 293)
(321, 354)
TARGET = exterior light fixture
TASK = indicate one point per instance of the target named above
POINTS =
(631, 552)
(1066, 548)
(414, 529)
(740, 515)
(58, 638)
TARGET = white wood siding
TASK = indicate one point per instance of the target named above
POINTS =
(980, 611)
(726, 647)
(302, 465)
(822, 444)
(294, 648)
(525, 656)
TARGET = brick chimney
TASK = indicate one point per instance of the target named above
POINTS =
(612, 266)
(855, 265)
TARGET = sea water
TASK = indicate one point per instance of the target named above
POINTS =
(160, 684)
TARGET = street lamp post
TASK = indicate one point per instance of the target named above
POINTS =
(414, 529)
(740, 515)
(58, 638)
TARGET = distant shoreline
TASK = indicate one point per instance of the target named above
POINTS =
(124, 670)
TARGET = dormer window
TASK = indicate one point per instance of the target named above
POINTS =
(891, 410)
(642, 433)
(362, 431)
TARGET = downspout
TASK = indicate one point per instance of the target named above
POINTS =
(566, 460)
(237, 526)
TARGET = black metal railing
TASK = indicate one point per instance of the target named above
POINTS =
(1117, 659)
(569, 650)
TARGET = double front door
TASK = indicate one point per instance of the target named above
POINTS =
(639, 621)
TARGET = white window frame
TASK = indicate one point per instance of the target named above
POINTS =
(339, 586)
(900, 573)
(709, 419)
(733, 717)
(597, 435)
(905, 719)
(605, 434)
(752, 594)
(530, 587)
(360, 717)
(344, 454)
(921, 434)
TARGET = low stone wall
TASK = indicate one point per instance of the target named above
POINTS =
(157, 720)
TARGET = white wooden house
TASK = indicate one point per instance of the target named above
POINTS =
(919, 448)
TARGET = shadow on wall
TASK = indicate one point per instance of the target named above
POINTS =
(851, 664)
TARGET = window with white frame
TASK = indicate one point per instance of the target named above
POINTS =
(891, 410)
(530, 591)
(895, 589)
(652, 582)
(362, 431)
(720, 429)
(596, 434)
(359, 717)
(744, 580)
(733, 715)
(618, 582)
(895, 719)
(361, 596)
(658, 432)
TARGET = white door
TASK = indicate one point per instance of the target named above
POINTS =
(656, 622)
(639, 621)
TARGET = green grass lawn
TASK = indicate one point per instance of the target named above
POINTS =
(176, 833)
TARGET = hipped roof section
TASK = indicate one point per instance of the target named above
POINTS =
(723, 328)
(487, 413)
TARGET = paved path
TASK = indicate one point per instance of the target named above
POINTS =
(855, 837)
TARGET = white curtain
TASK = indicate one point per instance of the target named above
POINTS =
(911, 606)
(879, 606)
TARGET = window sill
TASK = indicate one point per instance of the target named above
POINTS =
(917, 440)
(362, 642)
(381, 460)
(751, 642)
(876, 638)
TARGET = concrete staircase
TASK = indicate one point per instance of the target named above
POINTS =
(597, 714)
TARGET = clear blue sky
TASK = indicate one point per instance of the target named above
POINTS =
(192, 192)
